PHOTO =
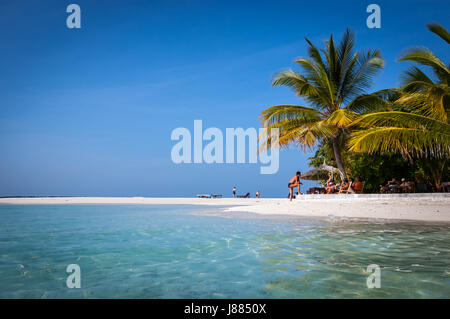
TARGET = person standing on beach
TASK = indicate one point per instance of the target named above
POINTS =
(257, 194)
(234, 192)
(294, 182)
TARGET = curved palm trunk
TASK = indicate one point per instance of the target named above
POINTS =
(337, 156)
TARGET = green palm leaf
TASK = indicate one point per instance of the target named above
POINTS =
(415, 141)
(440, 31)
(329, 78)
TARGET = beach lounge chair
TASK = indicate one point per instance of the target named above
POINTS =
(244, 196)
(344, 191)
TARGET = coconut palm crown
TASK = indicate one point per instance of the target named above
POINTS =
(419, 127)
(333, 82)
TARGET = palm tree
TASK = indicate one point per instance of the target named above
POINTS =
(419, 124)
(333, 81)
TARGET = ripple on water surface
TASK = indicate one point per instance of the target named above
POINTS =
(133, 251)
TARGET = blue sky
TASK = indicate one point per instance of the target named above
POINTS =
(90, 111)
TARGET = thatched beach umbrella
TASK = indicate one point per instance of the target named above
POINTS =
(319, 173)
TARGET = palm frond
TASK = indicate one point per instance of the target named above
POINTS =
(317, 74)
(403, 120)
(342, 118)
(382, 100)
(293, 132)
(285, 112)
(300, 85)
(414, 80)
(361, 75)
(439, 30)
(426, 57)
(433, 103)
(416, 141)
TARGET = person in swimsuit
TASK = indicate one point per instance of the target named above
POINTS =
(330, 184)
(234, 192)
(345, 185)
(294, 182)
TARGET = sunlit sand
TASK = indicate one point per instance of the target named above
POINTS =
(420, 208)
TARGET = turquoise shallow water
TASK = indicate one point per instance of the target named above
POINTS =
(133, 251)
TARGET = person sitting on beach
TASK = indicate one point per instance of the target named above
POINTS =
(330, 185)
(350, 183)
(406, 186)
(391, 186)
(344, 185)
(294, 182)
(357, 185)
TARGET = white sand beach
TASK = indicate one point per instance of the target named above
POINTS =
(417, 207)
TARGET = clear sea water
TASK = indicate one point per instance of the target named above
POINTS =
(134, 251)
